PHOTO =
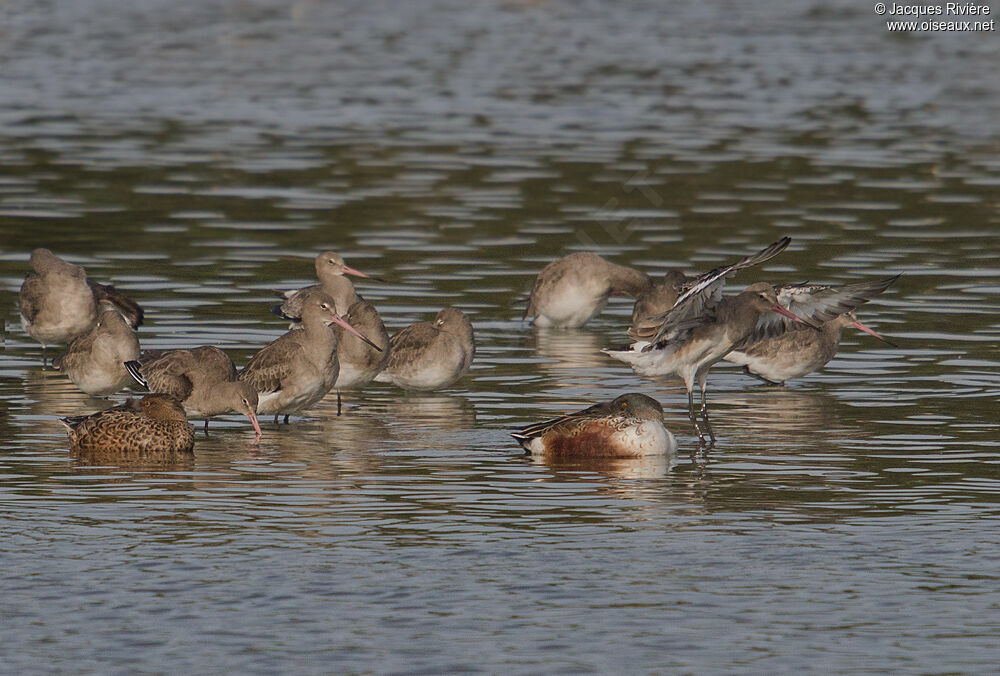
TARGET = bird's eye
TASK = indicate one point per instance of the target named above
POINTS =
(331, 261)
(624, 404)
(324, 306)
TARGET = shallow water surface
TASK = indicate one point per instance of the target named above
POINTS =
(198, 157)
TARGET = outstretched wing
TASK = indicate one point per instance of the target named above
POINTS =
(815, 305)
(694, 305)
(823, 303)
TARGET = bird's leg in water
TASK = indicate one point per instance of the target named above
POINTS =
(693, 415)
(703, 377)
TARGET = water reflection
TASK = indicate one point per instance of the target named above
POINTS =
(776, 417)
(645, 467)
(89, 463)
(472, 143)
(567, 352)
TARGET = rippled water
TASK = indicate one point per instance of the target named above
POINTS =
(197, 156)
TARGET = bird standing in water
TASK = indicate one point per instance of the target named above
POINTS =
(203, 379)
(58, 302)
(701, 328)
(294, 372)
(94, 360)
(572, 289)
(431, 355)
(360, 363)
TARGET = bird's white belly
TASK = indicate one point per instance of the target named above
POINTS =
(306, 394)
(100, 382)
(351, 376)
(649, 363)
(430, 376)
(570, 305)
(647, 438)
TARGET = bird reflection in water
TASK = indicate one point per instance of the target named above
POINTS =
(643, 467)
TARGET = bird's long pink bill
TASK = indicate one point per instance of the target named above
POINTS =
(340, 321)
(348, 270)
(782, 311)
(861, 327)
(256, 425)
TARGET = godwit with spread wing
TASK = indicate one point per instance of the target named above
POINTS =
(799, 350)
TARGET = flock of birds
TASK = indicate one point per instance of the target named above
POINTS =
(337, 341)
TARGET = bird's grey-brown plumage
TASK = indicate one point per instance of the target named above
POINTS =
(331, 271)
(780, 353)
(203, 379)
(656, 300)
(154, 424)
(572, 289)
(431, 355)
(58, 302)
(296, 370)
(359, 361)
(94, 360)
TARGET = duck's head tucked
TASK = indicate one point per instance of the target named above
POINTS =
(637, 406)
(163, 407)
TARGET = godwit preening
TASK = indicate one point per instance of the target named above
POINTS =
(94, 360)
(630, 426)
(203, 379)
(154, 424)
(58, 302)
(704, 326)
(572, 289)
(431, 355)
